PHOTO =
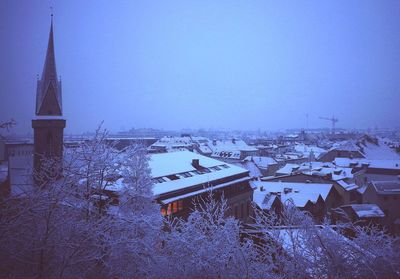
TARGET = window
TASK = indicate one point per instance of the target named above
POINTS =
(236, 211)
(173, 207)
(186, 174)
(241, 210)
(172, 177)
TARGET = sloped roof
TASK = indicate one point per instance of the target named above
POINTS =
(298, 193)
(367, 210)
(387, 187)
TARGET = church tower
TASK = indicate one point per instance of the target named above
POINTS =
(48, 124)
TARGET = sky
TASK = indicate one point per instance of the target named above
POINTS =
(205, 64)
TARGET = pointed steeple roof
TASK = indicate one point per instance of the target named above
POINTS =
(48, 95)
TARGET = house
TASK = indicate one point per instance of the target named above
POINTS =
(182, 178)
(365, 170)
(385, 194)
(361, 214)
(314, 198)
(260, 166)
(230, 151)
(339, 197)
(347, 149)
(20, 166)
(172, 144)
(191, 176)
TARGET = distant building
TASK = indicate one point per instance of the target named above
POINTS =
(341, 195)
(360, 214)
(260, 166)
(385, 194)
(317, 199)
(347, 150)
(233, 150)
(20, 159)
(365, 170)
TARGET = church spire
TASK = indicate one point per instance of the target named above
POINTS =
(48, 95)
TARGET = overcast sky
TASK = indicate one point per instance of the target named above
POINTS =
(206, 64)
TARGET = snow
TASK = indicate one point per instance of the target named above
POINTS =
(319, 169)
(367, 210)
(165, 164)
(306, 150)
(379, 152)
(347, 186)
(261, 162)
(251, 167)
(288, 169)
(264, 200)
(299, 194)
(345, 146)
(174, 185)
(376, 164)
(231, 146)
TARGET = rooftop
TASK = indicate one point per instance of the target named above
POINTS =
(298, 193)
(367, 210)
(387, 187)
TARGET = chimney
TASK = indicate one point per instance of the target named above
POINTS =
(287, 190)
(233, 141)
(262, 189)
(196, 163)
(365, 165)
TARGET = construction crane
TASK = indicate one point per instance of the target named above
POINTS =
(333, 120)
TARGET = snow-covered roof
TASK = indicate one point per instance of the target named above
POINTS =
(251, 167)
(167, 164)
(261, 161)
(264, 200)
(379, 151)
(376, 164)
(306, 150)
(318, 169)
(347, 186)
(298, 193)
(288, 169)
(345, 146)
(233, 145)
(387, 187)
(367, 210)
